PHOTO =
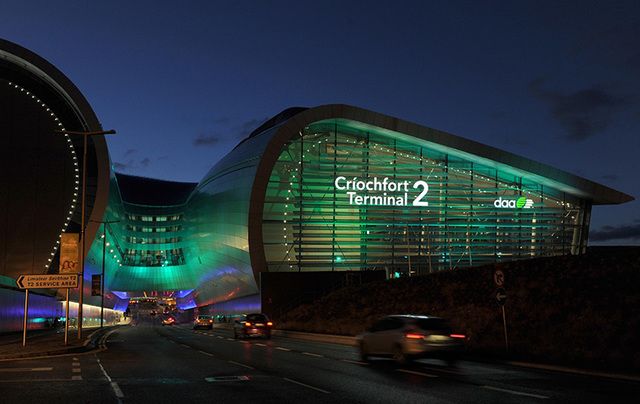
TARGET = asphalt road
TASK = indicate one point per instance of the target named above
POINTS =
(149, 363)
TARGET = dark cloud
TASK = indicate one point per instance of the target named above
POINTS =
(130, 152)
(206, 140)
(583, 113)
(610, 177)
(132, 164)
(622, 232)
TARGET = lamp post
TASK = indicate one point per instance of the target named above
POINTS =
(82, 224)
(104, 251)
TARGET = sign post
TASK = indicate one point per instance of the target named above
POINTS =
(96, 281)
(24, 320)
(501, 298)
(68, 264)
(57, 281)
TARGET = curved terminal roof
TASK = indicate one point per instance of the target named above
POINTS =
(561, 180)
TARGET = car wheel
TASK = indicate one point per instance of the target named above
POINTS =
(364, 354)
(399, 356)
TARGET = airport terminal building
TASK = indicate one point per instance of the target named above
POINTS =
(324, 189)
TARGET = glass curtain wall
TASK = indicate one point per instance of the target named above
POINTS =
(329, 207)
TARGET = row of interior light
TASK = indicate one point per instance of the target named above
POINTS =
(44, 106)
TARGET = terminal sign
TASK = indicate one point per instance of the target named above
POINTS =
(62, 281)
(382, 192)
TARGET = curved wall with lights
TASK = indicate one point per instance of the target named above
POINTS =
(41, 168)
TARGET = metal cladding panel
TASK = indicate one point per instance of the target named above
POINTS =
(218, 214)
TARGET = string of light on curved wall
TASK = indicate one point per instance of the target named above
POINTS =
(57, 123)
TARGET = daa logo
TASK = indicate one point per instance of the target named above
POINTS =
(520, 203)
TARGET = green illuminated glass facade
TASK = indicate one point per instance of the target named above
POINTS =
(338, 188)
(313, 223)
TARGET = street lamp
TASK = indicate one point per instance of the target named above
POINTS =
(84, 195)
(104, 251)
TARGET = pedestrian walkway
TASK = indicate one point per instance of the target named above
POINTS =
(49, 342)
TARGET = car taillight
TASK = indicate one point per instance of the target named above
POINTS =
(414, 336)
(211, 321)
(269, 323)
(248, 324)
(460, 336)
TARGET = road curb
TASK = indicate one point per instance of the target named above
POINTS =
(329, 338)
(89, 344)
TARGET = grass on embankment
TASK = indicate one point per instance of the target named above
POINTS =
(577, 310)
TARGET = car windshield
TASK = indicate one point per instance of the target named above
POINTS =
(433, 324)
(256, 317)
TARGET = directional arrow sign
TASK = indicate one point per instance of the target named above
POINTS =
(55, 281)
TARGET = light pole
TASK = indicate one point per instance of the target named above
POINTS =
(104, 251)
(82, 226)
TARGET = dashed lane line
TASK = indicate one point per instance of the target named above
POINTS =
(413, 372)
(259, 344)
(206, 353)
(514, 392)
(25, 369)
(114, 385)
(242, 364)
(306, 385)
(313, 354)
(279, 348)
(355, 362)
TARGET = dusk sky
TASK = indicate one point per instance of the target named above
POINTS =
(184, 82)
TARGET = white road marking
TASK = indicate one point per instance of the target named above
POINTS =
(307, 386)
(230, 339)
(312, 354)
(76, 377)
(114, 385)
(76, 370)
(219, 336)
(356, 362)
(206, 353)
(282, 349)
(186, 346)
(514, 392)
(40, 380)
(75, 364)
(413, 372)
(242, 364)
(259, 344)
(25, 369)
